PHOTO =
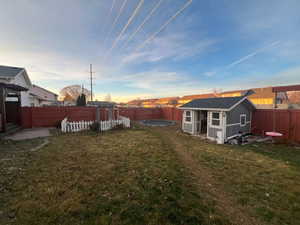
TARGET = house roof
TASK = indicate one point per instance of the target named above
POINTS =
(286, 88)
(10, 72)
(13, 87)
(214, 103)
(38, 87)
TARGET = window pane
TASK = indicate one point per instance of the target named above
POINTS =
(188, 119)
(243, 120)
(215, 122)
(216, 115)
(188, 113)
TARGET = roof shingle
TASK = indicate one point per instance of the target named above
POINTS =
(8, 71)
(213, 103)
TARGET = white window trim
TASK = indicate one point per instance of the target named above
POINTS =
(243, 125)
(189, 116)
(220, 119)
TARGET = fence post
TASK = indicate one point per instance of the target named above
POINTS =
(290, 125)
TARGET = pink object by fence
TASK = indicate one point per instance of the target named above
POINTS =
(274, 134)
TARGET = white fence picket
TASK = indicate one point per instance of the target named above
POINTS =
(85, 125)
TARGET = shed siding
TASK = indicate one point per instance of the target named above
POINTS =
(233, 130)
(233, 116)
(188, 127)
(212, 132)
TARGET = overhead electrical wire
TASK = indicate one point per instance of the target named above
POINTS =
(109, 15)
(143, 23)
(116, 20)
(164, 26)
(136, 11)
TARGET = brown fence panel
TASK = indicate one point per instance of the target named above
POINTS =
(51, 116)
(295, 126)
(286, 122)
(128, 112)
(141, 113)
(26, 117)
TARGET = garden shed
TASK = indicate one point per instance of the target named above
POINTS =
(219, 119)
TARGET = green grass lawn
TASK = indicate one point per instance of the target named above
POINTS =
(147, 176)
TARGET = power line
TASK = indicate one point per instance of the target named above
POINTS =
(137, 9)
(109, 15)
(164, 26)
(143, 23)
(116, 20)
(91, 80)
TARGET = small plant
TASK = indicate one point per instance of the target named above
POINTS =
(95, 127)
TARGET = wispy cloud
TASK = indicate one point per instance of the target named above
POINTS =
(174, 47)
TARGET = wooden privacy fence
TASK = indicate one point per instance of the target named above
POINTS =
(53, 115)
(78, 126)
(286, 122)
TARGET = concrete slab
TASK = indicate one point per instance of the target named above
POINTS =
(29, 134)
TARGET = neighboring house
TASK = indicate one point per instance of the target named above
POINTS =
(262, 97)
(218, 119)
(167, 102)
(42, 97)
(149, 103)
(135, 103)
(17, 76)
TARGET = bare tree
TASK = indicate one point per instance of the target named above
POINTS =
(71, 93)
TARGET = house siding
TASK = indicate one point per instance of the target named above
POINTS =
(26, 99)
(47, 97)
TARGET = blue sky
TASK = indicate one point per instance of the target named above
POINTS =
(216, 44)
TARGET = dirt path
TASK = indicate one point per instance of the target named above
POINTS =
(205, 182)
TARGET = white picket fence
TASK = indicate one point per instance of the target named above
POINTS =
(67, 126)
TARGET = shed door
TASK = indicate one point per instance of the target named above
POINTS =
(216, 126)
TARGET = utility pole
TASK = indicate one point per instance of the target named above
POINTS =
(91, 74)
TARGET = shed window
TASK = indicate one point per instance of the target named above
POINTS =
(215, 120)
(188, 116)
(243, 120)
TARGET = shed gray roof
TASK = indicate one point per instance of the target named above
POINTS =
(8, 71)
(213, 103)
